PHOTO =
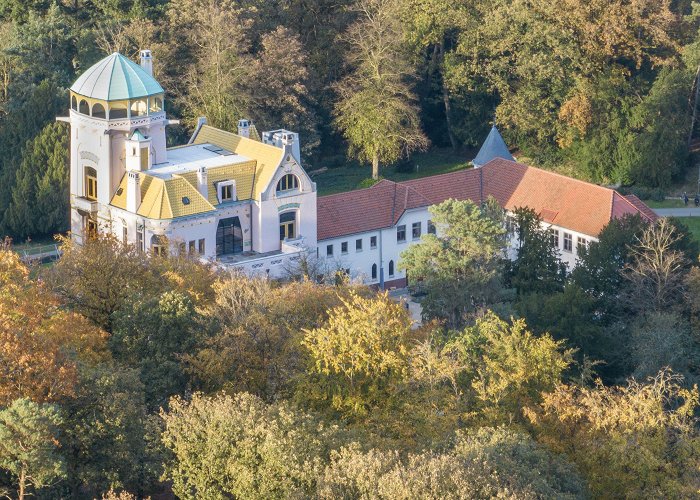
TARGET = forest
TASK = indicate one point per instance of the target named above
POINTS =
(600, 90)
(124, 375)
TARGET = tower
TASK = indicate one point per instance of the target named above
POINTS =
(117, 123)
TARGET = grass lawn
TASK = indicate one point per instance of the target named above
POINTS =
(693, 224)
(350, 176)
(668, 203)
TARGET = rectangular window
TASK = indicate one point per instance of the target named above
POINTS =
(581, 243)
(201, 246)
(329, 251)
(554, 237)
(431, 227)
(358, 245)
(144, 159)
(191, 247)
(139, 238)
(227, 192)
(373, 242)
(344, 247)
(91, 228)
(401, 233)
(416, 230)
(568, 242)
(90, 187)
(125, 235)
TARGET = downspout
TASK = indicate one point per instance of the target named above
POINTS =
(381, 263)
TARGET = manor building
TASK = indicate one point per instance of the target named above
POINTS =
(244, 200)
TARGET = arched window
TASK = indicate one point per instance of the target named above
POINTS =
(74, 103)
(138, 108)
(374, 271)
(156, 104)
(117, 110)
(288, 183)
(98, 111)
(90, 183)
(159, 245)
(288, 226)
(84, 107)
(391, 268)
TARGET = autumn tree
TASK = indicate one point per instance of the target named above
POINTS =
(29, 445)
(375, 111)
(358, 353)
(238, 446)
(459, 267)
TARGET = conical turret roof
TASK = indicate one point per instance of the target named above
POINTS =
(494, 147)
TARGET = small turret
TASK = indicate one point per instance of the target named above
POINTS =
(147, 61)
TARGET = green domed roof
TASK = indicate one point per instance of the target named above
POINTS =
(116, 78)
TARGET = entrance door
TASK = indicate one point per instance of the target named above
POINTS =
(287, 226)
(229, 236)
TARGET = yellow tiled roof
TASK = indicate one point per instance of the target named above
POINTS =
(267, 157)
(242, 173)
(163, 198)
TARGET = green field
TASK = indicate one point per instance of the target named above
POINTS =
(668, 203)
(351, 175)
(693, 224)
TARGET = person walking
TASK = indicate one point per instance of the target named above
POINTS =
(685, 199)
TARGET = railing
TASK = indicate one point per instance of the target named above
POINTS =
(40, 254)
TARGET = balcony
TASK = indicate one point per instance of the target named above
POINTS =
(84, 204)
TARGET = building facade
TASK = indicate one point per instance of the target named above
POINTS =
(236, 199)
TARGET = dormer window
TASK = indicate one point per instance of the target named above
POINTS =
(289, 182)
(226, 191)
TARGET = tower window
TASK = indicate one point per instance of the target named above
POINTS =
(74, 103)
(90, 183)
(98, 111)
(117, 110)
(288, 183)
(84, 108)
(138, 108)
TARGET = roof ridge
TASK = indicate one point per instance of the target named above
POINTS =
(414, 190)
(551, 172)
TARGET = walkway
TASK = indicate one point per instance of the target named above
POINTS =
(690, 211)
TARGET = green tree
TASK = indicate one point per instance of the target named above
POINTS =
(40, 195)
(375, 111)
(459, 267)
(29, 445)
(238, 446)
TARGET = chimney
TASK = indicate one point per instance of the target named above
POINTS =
(133, 191)
(244, 128)
(147, 61)
(202, 182)
(290, 141)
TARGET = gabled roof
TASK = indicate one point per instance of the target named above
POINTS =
(493, 147)
(137, 136)
(114, 78)
(569, 203)
(268, 157)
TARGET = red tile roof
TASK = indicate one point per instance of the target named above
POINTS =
(570, 203)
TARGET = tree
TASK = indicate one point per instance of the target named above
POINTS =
(459, 267)
(28, 444)
(508, 365)
(537, 268)
(238, 446)
(359, 351)
(488, 463)
(636, 440)
(375, 111)
(40, 196)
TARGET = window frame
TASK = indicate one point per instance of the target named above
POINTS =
(372, 242)
(554, 237)
(90, 184)
(283, 184)
(401, 233)
(431, 227)
(419, 227)
(329, 250)
(358, 245)
(568, 238)
(343, 248)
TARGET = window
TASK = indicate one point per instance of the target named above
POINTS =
(358, 245)
(288, 183)
(74, 103)
(90, 183)
(98, 111)
(139, 238)
(226, 191)
(229, 236)
(554, 237)
(510, 225)
(181, 249)
(373, 242)
(581, 243)
(401, 233)
(158, 245)
(125, 234)
(201, 247)
(416, 230)
(431, 227)
(156, 104)
(568, 242)
(344, 247)
(117, 110)
(192, 247)
(144, 158)
(138, 108)
(84, 107)
(90, 227)
(287, 226)
(329, 250)
(391, 268)
(374, 271)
